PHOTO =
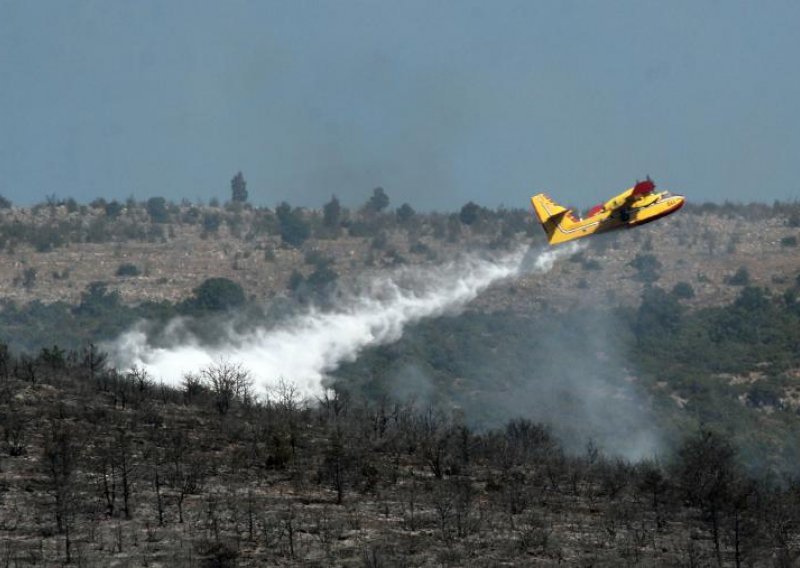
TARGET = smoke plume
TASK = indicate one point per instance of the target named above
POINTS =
(306, 348)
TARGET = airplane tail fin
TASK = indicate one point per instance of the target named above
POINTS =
(555, 219)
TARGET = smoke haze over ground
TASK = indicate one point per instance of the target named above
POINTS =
(306, 348)
(565, 371)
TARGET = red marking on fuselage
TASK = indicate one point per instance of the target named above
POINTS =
(594, 210)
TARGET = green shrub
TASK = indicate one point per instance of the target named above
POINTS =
(128, 269)
(683, 290)
(211, 222)
(740, 278)
(647, 267)
(215, 294)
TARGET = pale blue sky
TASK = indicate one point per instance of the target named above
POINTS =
(438, 102)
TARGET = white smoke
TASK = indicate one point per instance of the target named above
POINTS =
(303, 350)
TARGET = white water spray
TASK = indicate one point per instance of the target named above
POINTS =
(303, 350)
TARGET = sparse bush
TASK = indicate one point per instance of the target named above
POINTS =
(360, 229)
(28, 278)
(296, 280)
(128, 269)
(47, 238)
(790, 241)
(647, 267)
(211, 222)
(419, 248)
(764, 395)
(316, 258)
(740, 278)
(113, 209)
(98, 231)
(380, 241)
(683, 290)
(98, 203)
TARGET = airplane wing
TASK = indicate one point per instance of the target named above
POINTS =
(637, 196)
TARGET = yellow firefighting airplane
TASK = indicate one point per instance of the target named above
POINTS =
(638, 205)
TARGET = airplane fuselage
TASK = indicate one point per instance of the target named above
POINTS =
(623, 211)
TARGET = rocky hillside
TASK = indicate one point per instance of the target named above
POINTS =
(157, 250)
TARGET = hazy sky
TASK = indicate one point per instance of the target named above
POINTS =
(438, 102)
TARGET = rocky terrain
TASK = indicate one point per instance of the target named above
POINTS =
(52, 254)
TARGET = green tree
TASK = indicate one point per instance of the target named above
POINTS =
(378, 202)
(405, 213)
(470, 213)
(294, 229)
(332, 213)
(658, 316)
(753, 299)
(113, 209)
(238, 188)
(217, 294)
(157, 209)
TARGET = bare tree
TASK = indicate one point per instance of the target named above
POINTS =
(94, 360)
(338, 466)
(186, 469)
(228, 382)
(706, 470)
(59, 457)
(15, 431)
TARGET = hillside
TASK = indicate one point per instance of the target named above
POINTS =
(521, 431)
(162, 251)
(105, 469)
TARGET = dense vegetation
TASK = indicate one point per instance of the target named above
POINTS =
(571, 368)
